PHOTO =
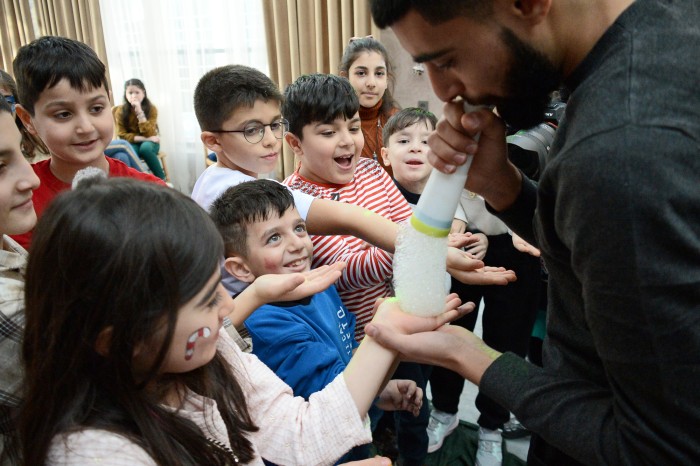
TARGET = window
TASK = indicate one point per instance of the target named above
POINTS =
(169, 45)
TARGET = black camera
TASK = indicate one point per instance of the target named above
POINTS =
(528, 148)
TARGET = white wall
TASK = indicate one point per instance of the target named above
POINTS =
(409, 87)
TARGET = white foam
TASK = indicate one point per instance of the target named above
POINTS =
(419, 271)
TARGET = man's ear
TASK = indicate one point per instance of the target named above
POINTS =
(104, 341)
(26, 118)
(211, 140)
(295, 143)
(237, 267)
(385, 156)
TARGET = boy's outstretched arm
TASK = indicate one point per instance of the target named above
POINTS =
(338, 218)
(282, 287)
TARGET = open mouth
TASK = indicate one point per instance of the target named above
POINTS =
(414, 162)
(297, 264)
(344, 161)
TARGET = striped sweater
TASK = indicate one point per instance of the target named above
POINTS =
(368, 272)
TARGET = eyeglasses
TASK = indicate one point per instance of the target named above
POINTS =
(254, 132)
(10, 99)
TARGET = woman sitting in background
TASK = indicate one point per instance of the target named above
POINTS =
(137, 122)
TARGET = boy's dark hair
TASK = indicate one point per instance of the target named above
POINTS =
(44, 62)
(405, 118)
(318, 98)
(244, 204)
(387, 12)
(223, 90)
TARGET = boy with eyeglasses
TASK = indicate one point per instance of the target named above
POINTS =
(239, 112)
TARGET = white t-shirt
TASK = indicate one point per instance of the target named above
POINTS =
(212, 183)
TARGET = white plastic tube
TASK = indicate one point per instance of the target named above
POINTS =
(421, 248)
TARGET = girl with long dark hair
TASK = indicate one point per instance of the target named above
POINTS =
(126, 359)
(365, 62)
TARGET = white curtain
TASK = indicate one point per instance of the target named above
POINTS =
(169, 45)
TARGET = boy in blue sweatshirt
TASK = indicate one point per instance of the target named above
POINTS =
(307, 343)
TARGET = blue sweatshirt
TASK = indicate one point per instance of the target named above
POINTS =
(306, 343)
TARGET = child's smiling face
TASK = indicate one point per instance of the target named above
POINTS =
(76, 125)
(407, 153)
(196, 331)
(235, 152)
(329, 152)
(17, 181)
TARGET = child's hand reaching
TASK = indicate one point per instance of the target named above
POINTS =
(389, 314)
(401, 395)
(295, 286)
(460, 240)
(283, 287)
(479, 246)
(470, 270)
(523, 246)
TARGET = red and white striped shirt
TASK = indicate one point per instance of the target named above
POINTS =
(369, 270)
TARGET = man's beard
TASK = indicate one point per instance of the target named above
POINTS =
(531, 79)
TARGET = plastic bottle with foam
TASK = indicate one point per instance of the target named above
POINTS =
(421, 247)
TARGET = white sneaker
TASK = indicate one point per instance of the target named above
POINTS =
(489, 452)
(441, 425)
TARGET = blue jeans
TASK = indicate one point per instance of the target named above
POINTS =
(121, 150)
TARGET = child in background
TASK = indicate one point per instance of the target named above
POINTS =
(64, 100)
(306, 342)
(365, 62)
(137, 122)
(406, 150)
(32, 147)
(17, 181)
(123, 374)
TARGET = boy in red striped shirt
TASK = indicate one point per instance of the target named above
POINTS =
(326, 135)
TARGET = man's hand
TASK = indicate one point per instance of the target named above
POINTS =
(481, 134)
(450, 346)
